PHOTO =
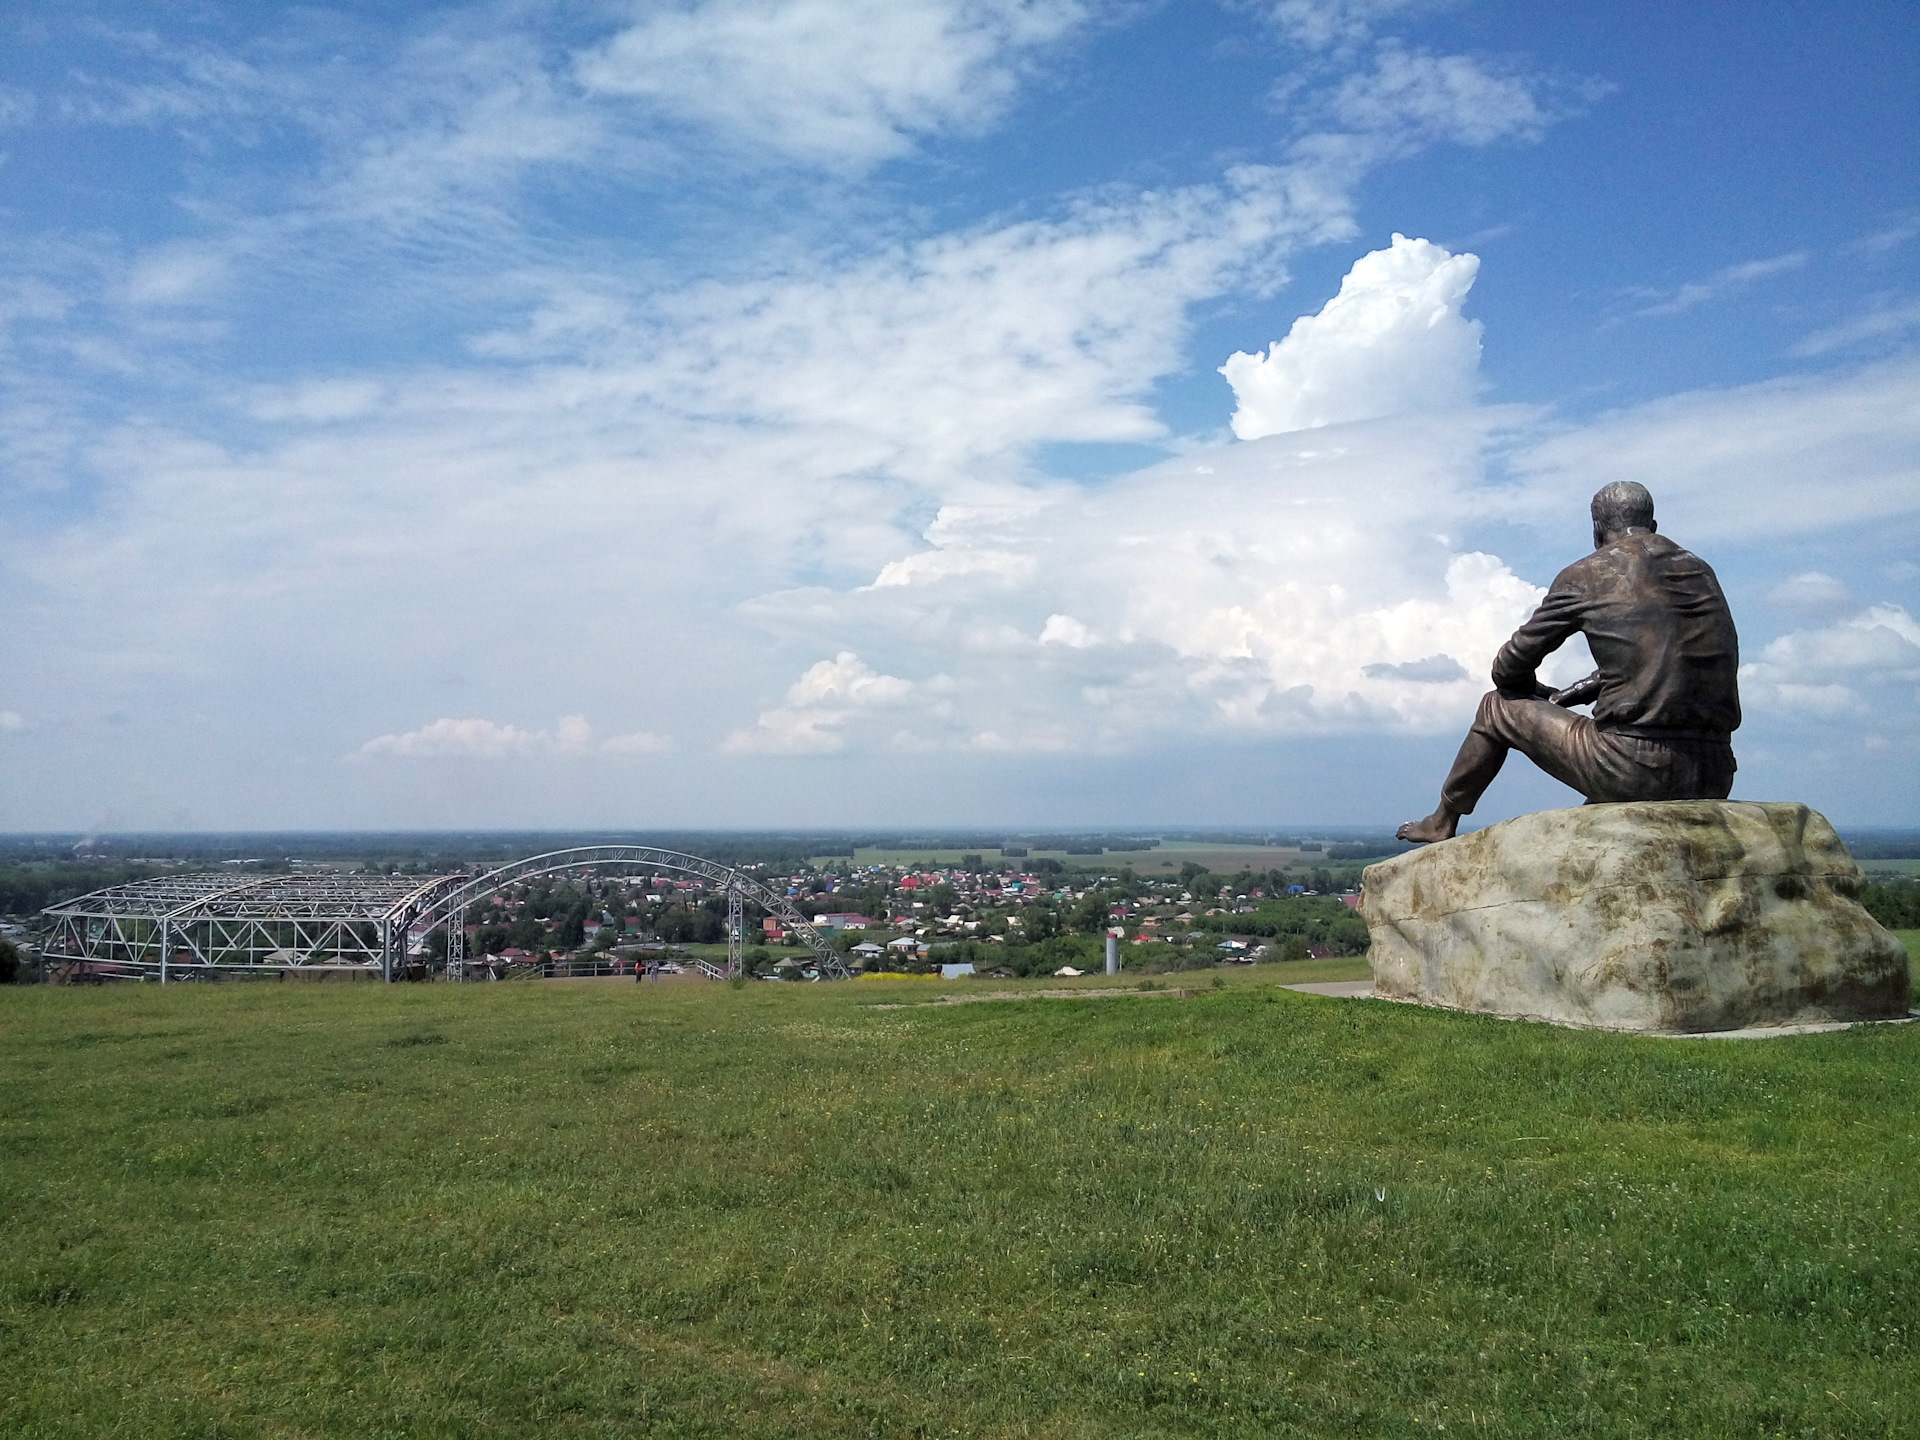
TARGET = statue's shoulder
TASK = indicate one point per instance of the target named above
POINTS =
(1629, 554)
(1582, 573)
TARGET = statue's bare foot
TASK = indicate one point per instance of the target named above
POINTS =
(1437, 826)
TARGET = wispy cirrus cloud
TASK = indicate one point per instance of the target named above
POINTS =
(1889, 238)
(1722, 283)
(1886, 318)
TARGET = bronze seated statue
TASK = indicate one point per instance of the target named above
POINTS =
(1665, 694)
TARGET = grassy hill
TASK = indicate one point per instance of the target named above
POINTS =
(690, 1210)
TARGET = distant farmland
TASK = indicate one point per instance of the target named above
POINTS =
(1164, 859)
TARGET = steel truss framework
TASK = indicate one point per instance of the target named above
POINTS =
(203, 925)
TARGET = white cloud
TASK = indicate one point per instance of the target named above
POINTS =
(141, 79)
(1879, 643)
(1732, 279)
(1392, 340)
(975, 345)
(469, 738)
(1811, 593)
(1773, 459)
(1889, 238)
(817, 705)
(477, 739)
(174, 274)
(318, 401)
(1823, 672)
(1065, 630)
(1882, 320)
(467, 108)
(622, 499)
(1412, 98)
(11, 722)
(17, 106)
(939, 564)
(840, 83)
(1295, 585)
(1327, 24)
(664, 496)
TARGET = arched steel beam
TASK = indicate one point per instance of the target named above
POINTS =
(441, 909)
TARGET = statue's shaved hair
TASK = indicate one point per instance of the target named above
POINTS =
(1623, 505)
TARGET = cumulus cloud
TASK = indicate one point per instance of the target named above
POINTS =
(1392, 340)
(11, 722)
(1824, 672)
(1301, 584)
(937, 564)
(1065, 630)
(818, 705)
(1811, 593)
(478, 739)
(469, 738)
(840, 83)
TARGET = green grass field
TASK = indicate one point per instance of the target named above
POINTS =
(693, 1210)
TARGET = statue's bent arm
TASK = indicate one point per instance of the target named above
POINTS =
(1556, 621)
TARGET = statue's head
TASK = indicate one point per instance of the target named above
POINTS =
(1619, 509)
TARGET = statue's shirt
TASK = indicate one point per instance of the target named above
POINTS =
(1660, 632)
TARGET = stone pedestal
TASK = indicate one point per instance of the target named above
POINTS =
(1667, 917)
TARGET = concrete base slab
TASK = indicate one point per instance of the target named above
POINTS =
(1776, 1032)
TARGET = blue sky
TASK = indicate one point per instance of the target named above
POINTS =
(814, 413)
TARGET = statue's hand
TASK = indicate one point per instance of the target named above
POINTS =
(1581, 692)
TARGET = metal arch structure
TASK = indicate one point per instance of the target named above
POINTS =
(205, 924)
(447, 906)
(201, 925)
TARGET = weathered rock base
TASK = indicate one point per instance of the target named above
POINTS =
(1663, 917)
